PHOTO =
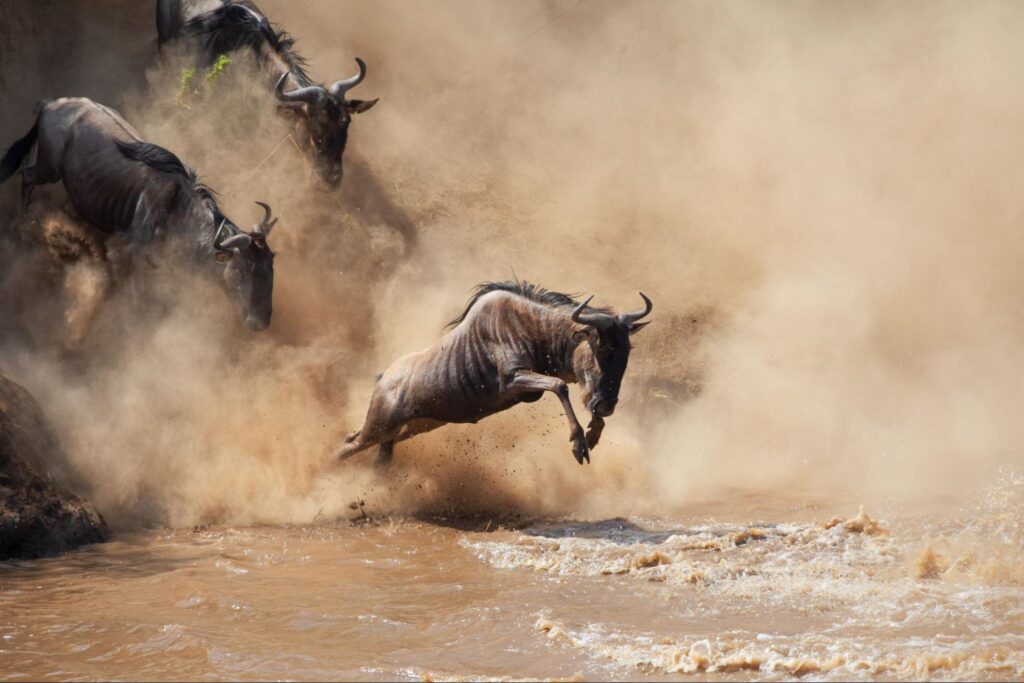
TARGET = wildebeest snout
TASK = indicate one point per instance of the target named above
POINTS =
(330, 177)
(257, 324)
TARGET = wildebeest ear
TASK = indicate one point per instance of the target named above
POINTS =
(359, 106)
(636, 327)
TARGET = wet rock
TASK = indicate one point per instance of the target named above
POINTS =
(38, 516)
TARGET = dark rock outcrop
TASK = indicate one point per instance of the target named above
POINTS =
(38, 516)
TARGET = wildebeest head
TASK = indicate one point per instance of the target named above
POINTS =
(248, 274)
(603, 352)
(323, 116)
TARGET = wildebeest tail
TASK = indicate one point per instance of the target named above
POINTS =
(17, 152)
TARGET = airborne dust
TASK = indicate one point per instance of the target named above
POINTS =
(823, 202)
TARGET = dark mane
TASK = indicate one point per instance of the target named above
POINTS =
(165, 161)
(236, 26)
(156, 157)
(527, 290)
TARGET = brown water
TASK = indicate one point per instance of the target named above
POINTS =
(697, 597)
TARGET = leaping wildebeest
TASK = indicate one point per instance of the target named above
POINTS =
(320, 114)
(123, 185)
(513, 342)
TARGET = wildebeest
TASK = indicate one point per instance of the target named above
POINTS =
(513, 342)
(321, 114)
(144, 193)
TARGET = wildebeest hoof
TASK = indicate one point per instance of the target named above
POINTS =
(580, 451)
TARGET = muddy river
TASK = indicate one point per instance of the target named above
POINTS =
(751, 588)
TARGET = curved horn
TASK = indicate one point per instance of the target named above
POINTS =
(598, 320)
(266, 225)
(239, 241)
(311, 94)
(216, 235)
(633, 317)
(339, 88)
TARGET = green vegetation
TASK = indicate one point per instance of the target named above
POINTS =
(188, 76)
(187, 85)
(217, 69)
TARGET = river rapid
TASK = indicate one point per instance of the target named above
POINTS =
(751, 587)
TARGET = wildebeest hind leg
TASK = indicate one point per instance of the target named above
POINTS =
(409, 430)
(384, 453)
(374, 431)
(418, 426)
(356, 445)
(384, 420)
(27, 185)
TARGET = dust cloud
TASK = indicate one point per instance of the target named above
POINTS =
(820, 200)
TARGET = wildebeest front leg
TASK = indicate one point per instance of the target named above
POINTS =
(526, 381)
(594, 430)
